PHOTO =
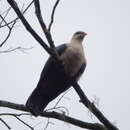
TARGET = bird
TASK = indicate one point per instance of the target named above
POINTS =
(53, 81)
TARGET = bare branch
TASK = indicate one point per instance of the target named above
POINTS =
(47, 124)
(14, 114)
(24, 122)
(61, 109)
(93, 108)
(5, 123)
(7, 12)
(10, 30)
(18, 17)
(13, 105)
(37, 124)
(17, 116)
(7, 24)
(17, 48)
(28, 26)
(55, 115)
(42, 23)
(61, 97)
(52, 15)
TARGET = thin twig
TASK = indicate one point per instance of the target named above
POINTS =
(37, 124)
(7, 12)
(59, 109)
(52, 15)
(28, 26)
(18, 17)
(61, 97)
(17, 117)
(14, 49)
(5, 123)
(47, 124)
(10, 30)
(24, 122)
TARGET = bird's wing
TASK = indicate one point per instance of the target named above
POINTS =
(61, 48)
(50, 62)
(81, 70)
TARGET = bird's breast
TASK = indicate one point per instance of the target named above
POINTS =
(72, 59)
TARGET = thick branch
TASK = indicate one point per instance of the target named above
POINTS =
(55, 115)
(13, 105)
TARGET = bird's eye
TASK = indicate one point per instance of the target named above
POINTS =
(79, 36)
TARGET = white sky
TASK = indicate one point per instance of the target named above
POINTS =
(107, 49)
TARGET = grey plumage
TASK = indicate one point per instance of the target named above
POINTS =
(52, 81)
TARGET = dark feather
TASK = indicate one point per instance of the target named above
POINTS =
(52, 82)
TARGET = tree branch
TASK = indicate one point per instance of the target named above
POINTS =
(6, 13)
(14, 49)
(93, 108)
(17, 116)
(18, 17)
(42, 23)
(52, 15)
(53, 114)
(10, 30)
(24, 122)
(28, 26)
(5, 123)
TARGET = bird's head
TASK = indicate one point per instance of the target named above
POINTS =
(79, 36)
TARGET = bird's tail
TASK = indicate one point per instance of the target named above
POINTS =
(36, 102)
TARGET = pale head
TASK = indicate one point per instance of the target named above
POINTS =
(79, 36)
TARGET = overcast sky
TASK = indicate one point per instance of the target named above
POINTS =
(106, 47)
